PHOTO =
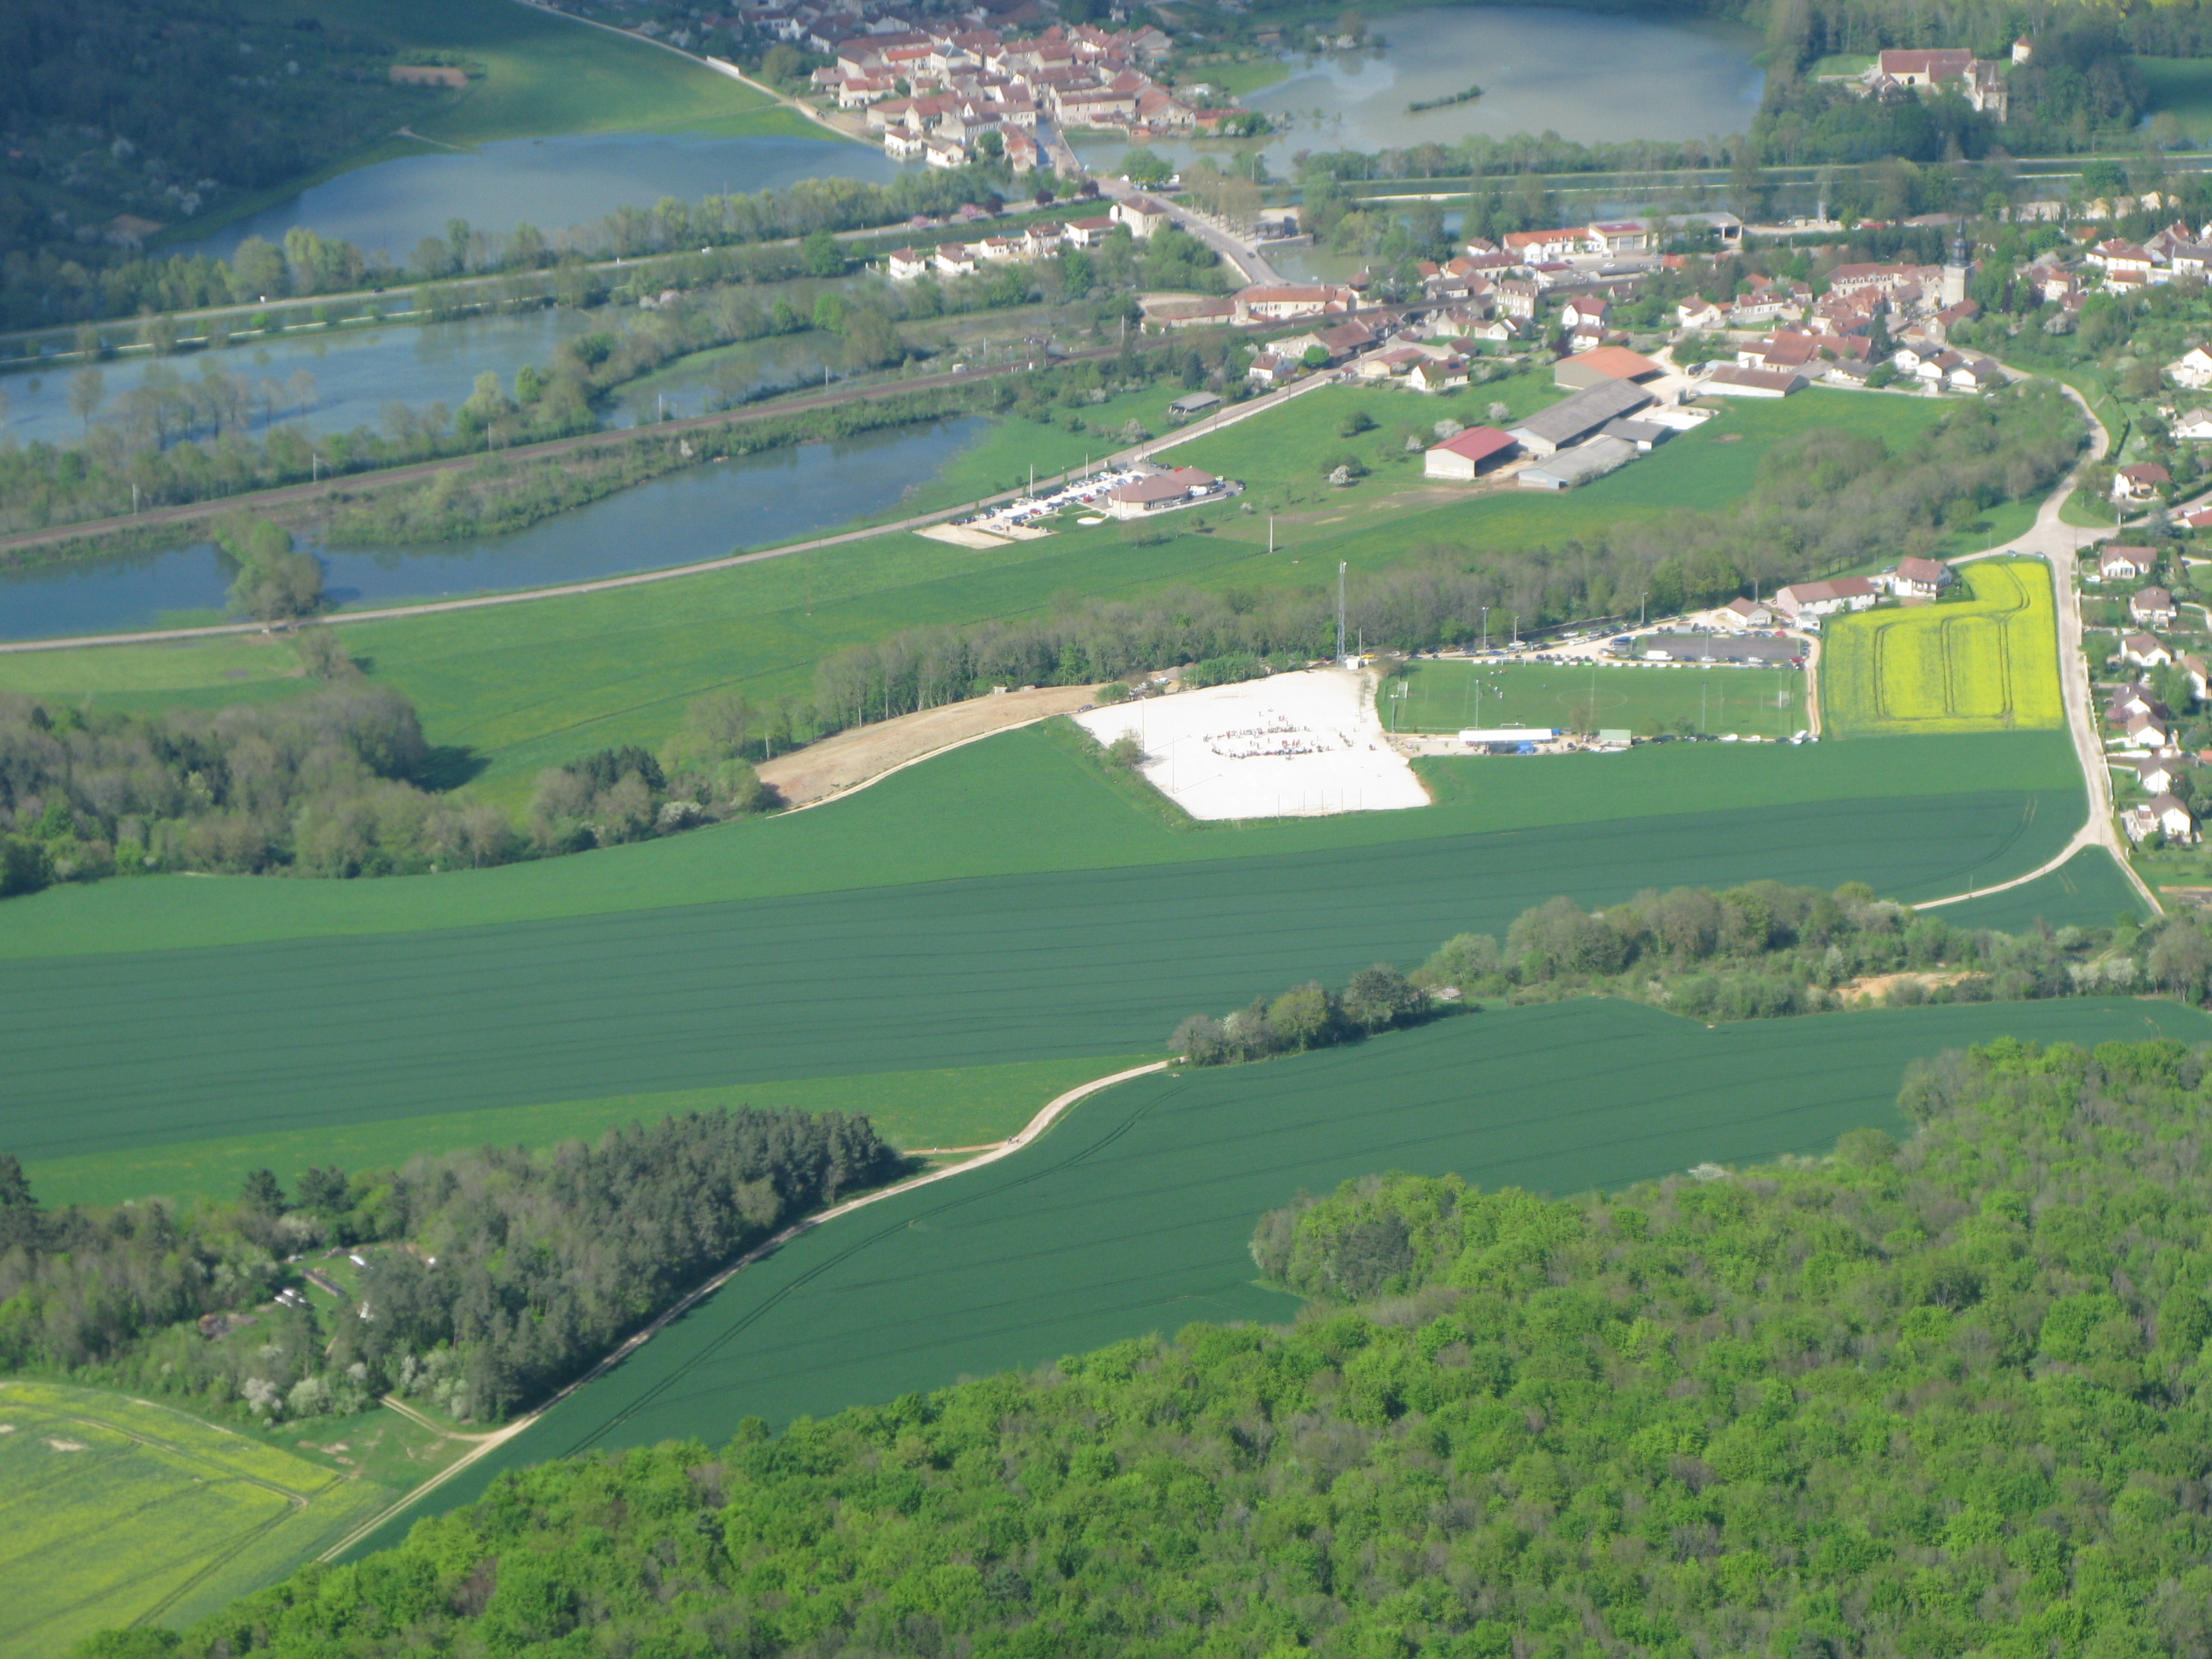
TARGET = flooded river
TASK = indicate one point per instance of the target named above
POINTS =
(703, 513)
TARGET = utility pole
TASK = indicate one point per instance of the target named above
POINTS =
(1341, 567)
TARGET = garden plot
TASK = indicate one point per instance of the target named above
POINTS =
(1291, 746)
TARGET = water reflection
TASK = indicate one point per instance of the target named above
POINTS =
(551, 183)
(754, 501)
(1589, 77)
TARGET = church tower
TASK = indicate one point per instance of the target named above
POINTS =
(1957, 269)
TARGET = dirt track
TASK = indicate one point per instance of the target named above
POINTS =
(853, 760)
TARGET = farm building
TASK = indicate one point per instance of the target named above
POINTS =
(1550, 430)
(1804, 602)
(1733, 382)
(1595, 368)
(1160, 492)
(1193, 403)
(1467, 454)
(1919, 578)
(2152, 607)
(1565, 468)
(1646, 436)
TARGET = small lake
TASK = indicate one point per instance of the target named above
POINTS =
(1587, 76)
(551, 183)
(702, 512)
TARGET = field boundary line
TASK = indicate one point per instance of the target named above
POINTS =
(1050, 1113)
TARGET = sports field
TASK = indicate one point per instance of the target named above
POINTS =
(1448, 696)
(114, 1510)
(678, 966)
(1988, 663)
(1133, 1215)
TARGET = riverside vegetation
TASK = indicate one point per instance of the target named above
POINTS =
(1948, 1396)
(495, 1276)
(1763, 951)
(171, 441)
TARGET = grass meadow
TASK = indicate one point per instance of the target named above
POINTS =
(1448, 696)
(1133, 1215)
(1987, 663)
(114, 1509)
(524, 687)
(915, 1110)
(2181, 88)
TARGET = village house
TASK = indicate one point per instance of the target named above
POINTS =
(1435, 375)
(1976, 375)
(2161, 815)
(1282, 302)
(1531, 247)
(1746, 613)
(1269, 370)
(1467, 455)
(2151, 607)
(1143, 217)
(1089, 233)
(2199, 672)
(1923, 579)
(2119, 563)
(1389, 365)
(2130, 701)
(2193, 369)
(2145, 651)
(2141, 483)
(2157, 774)
(2195, 426)
(2149, 730)
(1806, 603)
(907, 264)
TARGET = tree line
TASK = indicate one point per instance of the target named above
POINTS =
(1763, 951)
(1948, 1396)
(493, 1276)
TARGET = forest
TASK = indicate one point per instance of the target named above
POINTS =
(1942, 1397)
(494, 1276)
(1823, 502)
(1763, 951)
(336, 782)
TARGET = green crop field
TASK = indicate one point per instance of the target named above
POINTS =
(2181, 88)
(114, 1510)
(1988, 663)
(915, 1110)
(1448, 696)
(1115, 928)
(934, 823)
(1133, 1215)
(546, 74)
(2087, 891)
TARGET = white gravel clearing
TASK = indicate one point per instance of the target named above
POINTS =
(1291, 745)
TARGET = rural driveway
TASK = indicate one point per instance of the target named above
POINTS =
(2059, 543)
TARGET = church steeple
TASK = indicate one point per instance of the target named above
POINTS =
(1957, 268)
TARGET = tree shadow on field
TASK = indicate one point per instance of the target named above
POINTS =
(448, 766)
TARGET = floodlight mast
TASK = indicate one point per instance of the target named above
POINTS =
(1341, 567)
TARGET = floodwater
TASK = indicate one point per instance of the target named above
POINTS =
(352, 372)
(702, 512)
(551, 182)
(1588, 77)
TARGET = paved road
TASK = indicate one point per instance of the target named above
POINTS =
(1240, 255)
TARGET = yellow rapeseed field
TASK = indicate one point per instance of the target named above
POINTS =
(1986, 662)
